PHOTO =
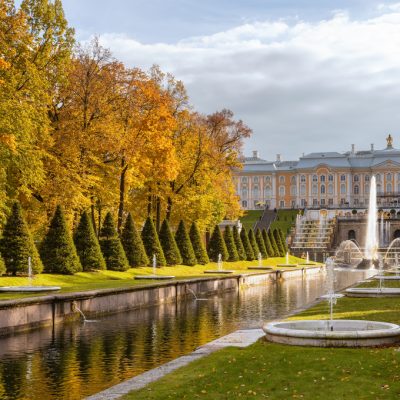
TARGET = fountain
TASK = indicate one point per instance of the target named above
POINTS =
(287, 264)
(307, 262)
(154, 276)
(31, 288)
(372, 241)
(220, 269)
(260, 266)
(348, 254)
(332, 333)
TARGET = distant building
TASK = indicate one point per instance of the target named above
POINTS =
(321, 180)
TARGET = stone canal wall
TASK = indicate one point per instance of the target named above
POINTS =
(29, 313)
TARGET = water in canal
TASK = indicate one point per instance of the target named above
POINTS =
(80, 359)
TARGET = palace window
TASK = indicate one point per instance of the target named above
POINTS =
(356, 189)
(356, 202)
(322, 189)
(389, 187)
(303, 190)
(322, 178)
(389, 177)
(282, 204)
(322, 202)
(302, 178)
(255, 179)
(315, 178)
(267, 179)
(256, 191)
(379, 188)
(303, 202)
(342, 188)
(330, 188)
(244, 179)
(342, 201)
(293, 180)
(244, 204)
(366, 188)
(330, 202)
(268, 191)
(244, 193)
(367, 178)
(293, 190)
(281, 179)
(330, 178)
(342, 178)
(314, 189)
(314, 202)
(378, 177)
(281, 190)
(356, 178)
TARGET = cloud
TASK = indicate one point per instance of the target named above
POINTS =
(301, 86)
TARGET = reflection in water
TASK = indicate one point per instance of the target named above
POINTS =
(81, 359)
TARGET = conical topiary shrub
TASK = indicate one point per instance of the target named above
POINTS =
(247, 245)
(132, 244)
(253, 242)
(16, 245)
(168, 244)
(2, 266)
(152, 244)
(217, 246)
(239, 245)
(230, 245)
(281, 248)
(57, 250)
(261, 244)
(274, 246)
(267, 243)
(198, 247)
(87, 245)
(283, 240)
(111, 246)
(185, 245)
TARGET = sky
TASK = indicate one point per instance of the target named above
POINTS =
(305, 75)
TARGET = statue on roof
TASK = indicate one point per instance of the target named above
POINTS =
(389, 141)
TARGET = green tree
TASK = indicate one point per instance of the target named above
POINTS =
(253, 242)
(198, 246)
(133, 245)
(261, 244)
(111, 246)
(283, 240)
(247, 245)
(185, 245)
(217, 246)
(151, 243)
(2, 266)
(279, 245)
(87, 245)
(169, 246)
(57, 250)
(230, 245)
(239, 245)
(274, 246)
(17, 245)
(267, 243)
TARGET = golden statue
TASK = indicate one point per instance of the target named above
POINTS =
(389, 141)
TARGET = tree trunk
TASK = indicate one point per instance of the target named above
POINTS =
(158, 214)
(121, 205)
(169, 208)
(99, 220)
(93, 218)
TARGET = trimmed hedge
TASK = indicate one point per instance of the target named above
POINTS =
(239, 245)
(217, 246)
(247, 245)
(253, 242)
(152, 244)
(274, 246)
(198, 247)
(168, 244)
(230, 245)
(261, 244)
(185, 245)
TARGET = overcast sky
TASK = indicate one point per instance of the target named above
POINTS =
(305, 75)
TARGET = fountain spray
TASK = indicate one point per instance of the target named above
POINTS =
(371, 244)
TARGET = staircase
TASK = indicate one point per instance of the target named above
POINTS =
(266, 219)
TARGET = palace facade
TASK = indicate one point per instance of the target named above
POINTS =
(321, 180)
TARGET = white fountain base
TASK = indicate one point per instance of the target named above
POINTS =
(373, 292)
(154, 277)
(344, 333)
(218, 271)
(287, 265)
(29, 289)
(387, 277)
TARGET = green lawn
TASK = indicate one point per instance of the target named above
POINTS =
(279, 372)
(250, 218)
(285, 220)
(113, 279)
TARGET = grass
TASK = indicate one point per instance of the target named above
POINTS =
(83, 281)
(285, 220)
(279, 372)
(250, 218)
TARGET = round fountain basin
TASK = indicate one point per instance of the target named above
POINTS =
(345, 333)
(29, 289)
(373, 292)
(261, 268)
(217, 271)
(387, 277)
(287, 265)
(154, 277)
